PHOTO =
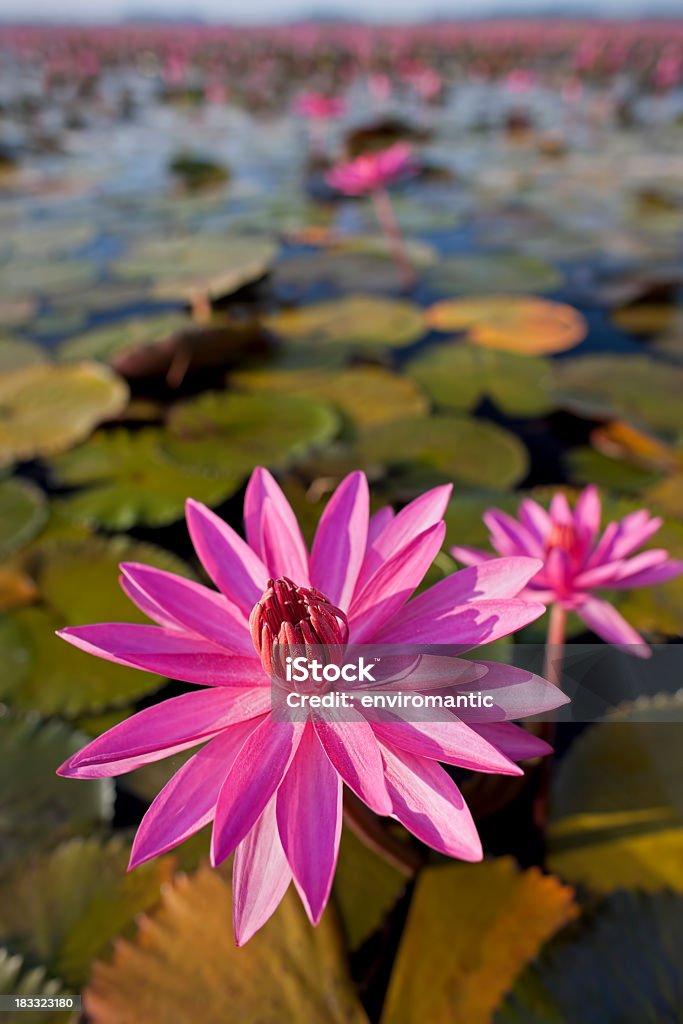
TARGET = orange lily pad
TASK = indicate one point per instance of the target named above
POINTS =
(512, 323)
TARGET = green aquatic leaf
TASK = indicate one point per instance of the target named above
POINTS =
(365, 889)
(104, 342)
(356, 321)
(368, 269)
(26, 277)
(23, 513)
(493, 273)
(18, 353)
(37, 807)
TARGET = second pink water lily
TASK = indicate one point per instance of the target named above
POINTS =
(273, 789)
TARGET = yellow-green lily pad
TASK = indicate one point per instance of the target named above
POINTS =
(18, 353)
(102, 343)
(489, 273)
(356, 321)
(23, 513)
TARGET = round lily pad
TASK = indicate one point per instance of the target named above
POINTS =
(356, 321)
(18, 353)
(458, 376)
(370, 268)
(472, 452)
(226, 433)
(367, 395)
(48, 239)
(46, 409)
(23, 512)
(26, 277)
(104, 342)
(39, 808)
(634, 388)
(130, 480)
(180, 267)
(495, 273)
(512, 323)
(78, 583)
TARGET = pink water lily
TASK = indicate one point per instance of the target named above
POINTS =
(372, 171)
(579, 559)
(273, 789)
(319, 106)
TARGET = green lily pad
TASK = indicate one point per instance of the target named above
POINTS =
(131, 480)
(356, 321)
(104, 342)
(48, 240)
(471, 452)
(458, 376)
(370, 270)
(619, 965)
(181, 267)
(23, 513)
(22, 278)
(366, 395)
(18, 353)
(63, 908)
(223, 432)
(586, 466)
(634, 388)
(47, 409)
(78, 584)
(499, 273)
(464, 517)
(38, 807)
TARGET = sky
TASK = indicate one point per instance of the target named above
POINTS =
(277, 10)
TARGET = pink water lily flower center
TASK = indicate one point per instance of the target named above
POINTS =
(287, 614)
(563, 536)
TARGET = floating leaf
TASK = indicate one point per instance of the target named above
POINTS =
(445, 971)
(48, 239)
(63, 908)
(498, 273)
(648, 318)
(104, 342)
(366, 887)
(212, 265)
(619, 965)
(23, 512)
(464, 517)
(366, 395)
(288, 971)
(634, 388)
(46, 409)
(37, 807)
(458, 376)
(472, 452)
(26, 277)
(224, 432)
(356, 321)
(18, 353)
(512, 323)
(586, 466)
(345, 270)
(132, 481)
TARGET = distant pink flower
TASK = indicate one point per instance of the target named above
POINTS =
(318, 106)
(273, 789)
(371, 172)
(578, 559)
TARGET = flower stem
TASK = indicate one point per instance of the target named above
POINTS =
(387, 220)
(372, 831)
(200, 307)
(552, 671)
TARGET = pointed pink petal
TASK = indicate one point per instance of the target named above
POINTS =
(146, 605)
(392, 584)
(188, 800)
(499, 577)
(560, 512)
(599, 576)
(340, 540)
(378, 522)
(471, 556)
(194, 606)
(515, 742)
(164, 729)
(411, 521)
(668, 570)
(256, 773)
(517, 693)
(430, 805)
(535, 518)
(237, 571)
(451, 742)
(588, 512)
(466, 626)
(176, 655)
(620, 539)
(606, 622)
(352, 748)
(260, 876)
(275, 537)
(309, 817)
(510, 537)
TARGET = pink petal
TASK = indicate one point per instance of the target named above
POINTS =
(662, 573)
(509, 537)
(471, 556)
(236, 570)
(378, 522)
(599, 576)
(309, 817)
(450, 741)
(353, 750)
(411, 521)
(188, 800)
(340, 540)
(560, 512)
(517, 693)
(256, 773)
(604, 620)
(392, 584)
(499, 577)
(195, 607)
(588, 512)
(515, 742)
(466, 626)
(146, 605)
(274, 535)
(177, 655)
(430, 805)
(260, 876)
(165, 729)
(535, 518)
